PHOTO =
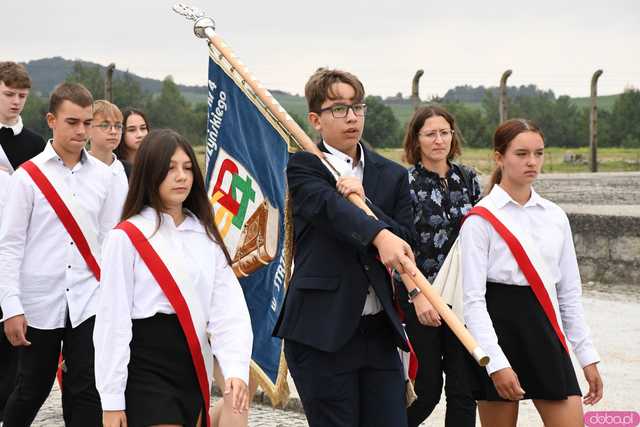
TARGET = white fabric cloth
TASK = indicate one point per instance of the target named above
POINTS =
(129, 291)
(344, 165)
(486, 257)
(122, 182)
(16, 127)
(42, 273)
(448, 281)
(4, 188)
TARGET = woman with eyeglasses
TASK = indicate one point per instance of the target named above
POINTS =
(104, 136)
(442, 193)
(135, 128)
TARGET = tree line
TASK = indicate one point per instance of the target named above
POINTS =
(563, 123)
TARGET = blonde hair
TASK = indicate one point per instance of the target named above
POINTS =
(107, 110)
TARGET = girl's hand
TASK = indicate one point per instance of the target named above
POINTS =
(592, 375)
(237, 390)
(507, 384)
(114, 419)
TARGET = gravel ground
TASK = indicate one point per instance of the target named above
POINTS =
(615, 326)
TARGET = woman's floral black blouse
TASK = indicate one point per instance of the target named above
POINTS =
(439, 207)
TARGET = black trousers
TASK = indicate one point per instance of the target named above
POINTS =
(37, 366)
(8, 368)
(438, 350)
(362, 384)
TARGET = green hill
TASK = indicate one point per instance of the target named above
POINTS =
(46, 73)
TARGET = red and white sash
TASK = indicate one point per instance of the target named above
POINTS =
(72, 216)
(74, 220)
(158, 253)
(528, 258)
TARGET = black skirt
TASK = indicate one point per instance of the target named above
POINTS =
(530, 344)
(162, 386)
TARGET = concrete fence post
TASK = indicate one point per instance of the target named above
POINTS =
(593, 123)
(108, 83)
(503, 95)
(415, 89)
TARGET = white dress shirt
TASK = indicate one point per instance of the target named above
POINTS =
(121, 182)
(486, 257)
(129, 291)
(4, 187)
(344, 164)
(16, 127)
(42, 273)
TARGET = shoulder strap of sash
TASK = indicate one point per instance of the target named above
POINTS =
(65, 216)
(526, 266)
(165, 280)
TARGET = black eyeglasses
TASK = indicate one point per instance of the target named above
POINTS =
(340, 111)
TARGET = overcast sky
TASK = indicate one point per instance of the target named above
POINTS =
(555, 44)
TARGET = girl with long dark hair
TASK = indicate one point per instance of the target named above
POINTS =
(135, 128)
(169, 299)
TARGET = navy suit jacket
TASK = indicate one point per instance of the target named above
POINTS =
(335, 262)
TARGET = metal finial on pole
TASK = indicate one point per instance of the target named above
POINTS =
(593, 122)
(189, 12)
(203, 27)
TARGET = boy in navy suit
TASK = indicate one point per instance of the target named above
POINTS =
(339, 324)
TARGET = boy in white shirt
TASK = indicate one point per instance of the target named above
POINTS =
(104, 136)
(49, 263)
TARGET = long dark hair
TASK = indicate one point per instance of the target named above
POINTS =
(505, 133)
(411, 144)
(122, 150)
(151, 168)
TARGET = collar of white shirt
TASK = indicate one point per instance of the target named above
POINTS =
(500, 197)
(344, 160)
(190, 223)
(116, 165)
(50, 154)
(16, 128)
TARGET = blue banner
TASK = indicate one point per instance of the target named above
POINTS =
(246, 159)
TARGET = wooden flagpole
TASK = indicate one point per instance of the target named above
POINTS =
(204, 27)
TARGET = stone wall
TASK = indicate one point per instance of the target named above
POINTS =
(604, 211)
(608, 247)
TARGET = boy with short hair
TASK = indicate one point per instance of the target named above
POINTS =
(17, 145)
(60, 205)
(339, 323)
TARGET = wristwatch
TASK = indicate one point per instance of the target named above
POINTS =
(414, 293)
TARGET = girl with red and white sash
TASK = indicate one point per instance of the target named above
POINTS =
(522, 292)
(169, 299)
